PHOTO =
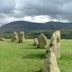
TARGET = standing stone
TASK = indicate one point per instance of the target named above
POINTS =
(2, 39)
(36, 42)
(50, 63)
(42, 40)
(15, 37)
(23, 36)
(20, 37)
(58, 36)
(55, 43)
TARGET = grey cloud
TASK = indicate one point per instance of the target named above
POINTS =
(6, 6)
(53, 8)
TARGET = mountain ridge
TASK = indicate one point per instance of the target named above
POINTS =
(32, 26)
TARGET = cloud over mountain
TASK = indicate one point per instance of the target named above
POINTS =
(58, 10)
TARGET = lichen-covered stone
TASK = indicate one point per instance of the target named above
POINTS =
(55, 43)
(2, 39)
(20, 37)
(15, 37)
(36, 42)
(42, 40)
(50, 63)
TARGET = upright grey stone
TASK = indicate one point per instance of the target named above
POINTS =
(20, 37)
(55, 43)
(50, 63)
(15, 37)
(42, 40)
(36, 42)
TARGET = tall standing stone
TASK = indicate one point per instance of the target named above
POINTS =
(58, 34)
(52, 53)
(50, 63)
(20, 37)
(15, 37)
(55, 43)
(42, 40)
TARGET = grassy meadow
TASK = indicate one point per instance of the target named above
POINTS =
(24, 57)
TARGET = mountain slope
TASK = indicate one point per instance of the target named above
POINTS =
(30, 26)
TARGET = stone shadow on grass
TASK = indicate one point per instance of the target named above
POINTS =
(39, 71)
(34, 56)
(33, 47)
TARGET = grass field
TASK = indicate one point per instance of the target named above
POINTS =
(25, 57)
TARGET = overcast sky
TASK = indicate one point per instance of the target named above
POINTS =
(35, 10)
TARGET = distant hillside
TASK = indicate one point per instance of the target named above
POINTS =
(30, 26)
(34, 29)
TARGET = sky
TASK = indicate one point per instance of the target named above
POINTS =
(35, 11)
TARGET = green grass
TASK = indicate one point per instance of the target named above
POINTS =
(65, 61)
(25, 57)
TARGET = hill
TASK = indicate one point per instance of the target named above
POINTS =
(32, 30)
(30, 26)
